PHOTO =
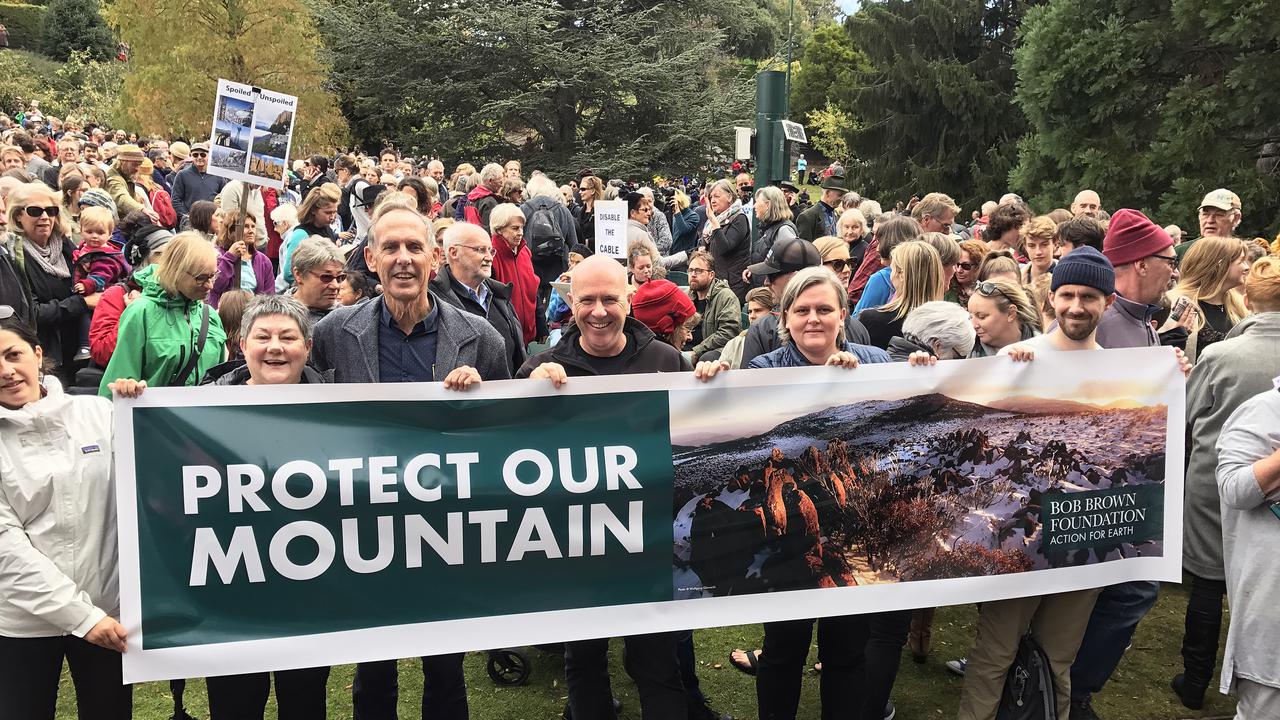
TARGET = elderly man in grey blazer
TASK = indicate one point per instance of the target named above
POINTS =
(408, 335)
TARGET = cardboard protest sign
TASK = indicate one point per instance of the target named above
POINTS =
(252, 133)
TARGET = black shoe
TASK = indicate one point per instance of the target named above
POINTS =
(889, 710)
(1192, 697)
(1082, 709)
(568, 714)
(705, 712)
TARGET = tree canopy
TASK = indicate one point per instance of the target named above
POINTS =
(76, 25)
(173, 75)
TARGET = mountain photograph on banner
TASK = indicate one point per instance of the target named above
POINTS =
(874, 490)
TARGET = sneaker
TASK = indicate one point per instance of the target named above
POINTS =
(889, 711)
(1082, 709)
(956, 667)
(82, 354)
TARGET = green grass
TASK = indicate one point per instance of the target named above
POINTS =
(1139, 690)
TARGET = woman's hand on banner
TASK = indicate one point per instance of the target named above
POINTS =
(708, 369)
(843, 359)
(1183, 362)
(108, 634)
(550, 371)
(921, 358)
(1021, 353)
(462, 378)
(127, 388)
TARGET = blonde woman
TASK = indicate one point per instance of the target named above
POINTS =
(1213, 270)
(916, 274)
(1002, 314)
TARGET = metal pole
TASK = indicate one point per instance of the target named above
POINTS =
(786, 102)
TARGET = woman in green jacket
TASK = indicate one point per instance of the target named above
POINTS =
(161, 331)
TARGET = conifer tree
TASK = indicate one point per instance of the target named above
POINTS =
(75, 25)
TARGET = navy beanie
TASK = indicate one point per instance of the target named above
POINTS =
(1085, 266)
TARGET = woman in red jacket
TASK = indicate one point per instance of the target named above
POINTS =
(513, 264)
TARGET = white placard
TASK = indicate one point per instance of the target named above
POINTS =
(252, 133)
(611, 228)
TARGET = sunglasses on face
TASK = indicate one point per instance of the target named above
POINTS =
(966, 266)
(35, 212)
(327, 278)
(837, 265)
(199, 154)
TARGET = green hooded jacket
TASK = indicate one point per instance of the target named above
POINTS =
(156, 336)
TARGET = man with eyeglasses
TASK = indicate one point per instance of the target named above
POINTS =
(1145, 268)
(1219, 216)
(466, 282)
(721, 312)
(194, 183)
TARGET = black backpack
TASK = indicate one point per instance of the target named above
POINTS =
(1029, 689)
(543, 234)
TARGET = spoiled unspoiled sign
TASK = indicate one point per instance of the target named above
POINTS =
(611, 228)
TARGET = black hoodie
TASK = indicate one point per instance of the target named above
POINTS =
(644, 353)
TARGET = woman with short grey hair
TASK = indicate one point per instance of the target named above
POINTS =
(940, 328)
(318, 274)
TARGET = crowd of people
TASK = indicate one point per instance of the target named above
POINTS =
(126, 264)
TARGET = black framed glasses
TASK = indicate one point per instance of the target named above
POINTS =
(34, 211)
(988, 289)
(966, 266)
(203, 278)
(837, 265)
(1173, 260)
(327, 278)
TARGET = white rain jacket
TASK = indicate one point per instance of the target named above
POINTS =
(58, 562)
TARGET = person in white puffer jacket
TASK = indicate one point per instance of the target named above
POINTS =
(59, 587)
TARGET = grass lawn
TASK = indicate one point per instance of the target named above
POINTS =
(1139, 690)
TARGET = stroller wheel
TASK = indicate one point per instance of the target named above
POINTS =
(508, 667)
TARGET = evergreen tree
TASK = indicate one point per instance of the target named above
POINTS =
(937, 112)
(1152, 105)
(182, 47)
(75, 25)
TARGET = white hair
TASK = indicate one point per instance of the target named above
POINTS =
(491, 172)
(944, 322)
(540, 185)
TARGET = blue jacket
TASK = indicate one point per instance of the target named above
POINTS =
(191, 185)
(788, 356)
(878, 291)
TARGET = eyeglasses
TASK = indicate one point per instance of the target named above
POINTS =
(1173, 260)
(199, 153)
(484, 250)
(698, 271)
(837, 265)
(35, 212)
(327, 278)
(966, 266)
(987, 289)
(203, 278)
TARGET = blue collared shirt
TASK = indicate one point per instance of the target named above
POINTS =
(481, 296)
(407, 358)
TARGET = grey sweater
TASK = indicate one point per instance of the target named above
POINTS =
(1228, 373)
(1250, 536)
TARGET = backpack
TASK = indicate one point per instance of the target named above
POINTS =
(543, 234)
(468, 212)
(1029, 691)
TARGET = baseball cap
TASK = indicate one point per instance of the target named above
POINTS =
(1222, 199)
(787, 255)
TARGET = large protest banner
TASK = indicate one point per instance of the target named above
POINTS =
(286, 526)
(252, 132)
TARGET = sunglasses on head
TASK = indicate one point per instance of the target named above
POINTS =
(837, 265)
(988, 288)
(35, 211)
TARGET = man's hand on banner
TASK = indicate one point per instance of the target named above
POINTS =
(1021, 353)
(127, 388)
(108, 634)
(550, 371)
(843, 359)
(708, 369)
(462, 378)
(921, 358)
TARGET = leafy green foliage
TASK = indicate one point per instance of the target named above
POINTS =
(76, 25)
(24, 23)
(1152, 105)
(937, 111)
(78, 89)
(625, 90)
(830, 63)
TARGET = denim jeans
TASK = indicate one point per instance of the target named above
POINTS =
(1115, 618)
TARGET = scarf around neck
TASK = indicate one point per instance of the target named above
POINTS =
(50, 257)
(724, 217)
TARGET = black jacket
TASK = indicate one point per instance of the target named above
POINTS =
(646, 354)
(238, 374)
(730, 248)
(762, 337)
(881, 326)
(500, 314)
(57, 309)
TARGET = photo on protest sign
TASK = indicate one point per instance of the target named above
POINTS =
(846, 485)
(518, 514)
(252, 132)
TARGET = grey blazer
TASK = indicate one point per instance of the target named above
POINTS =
(346, 341)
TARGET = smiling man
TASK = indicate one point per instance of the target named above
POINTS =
(467, 283)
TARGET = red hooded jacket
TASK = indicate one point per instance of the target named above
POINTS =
(515, 267)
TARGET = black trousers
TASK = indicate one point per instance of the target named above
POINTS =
(300, 695)
(888, 634)
(444, 689)
(1202, 630)
(842, 643)
(650, 660)
(31, 667)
